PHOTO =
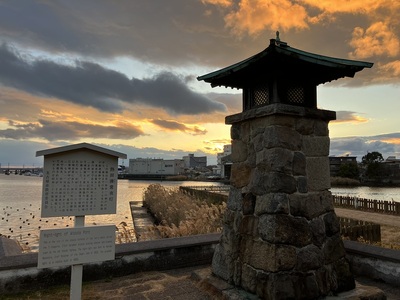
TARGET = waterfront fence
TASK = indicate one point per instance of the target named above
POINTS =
(376, 206)
(211, 193)
(351, 228)
(220, 193)
(355, 229)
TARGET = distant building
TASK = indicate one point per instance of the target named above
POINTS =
(392, 166)
(150, 166)
(392, 160)
(336, 161)
(224, 162)
(194, 162)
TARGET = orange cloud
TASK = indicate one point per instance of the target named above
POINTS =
(215, 146)
(218, 2)
(391, 69)
(344, 6)
(391, 140)
(349, 117)
(53, 114)
(253, 16)
(378, 39)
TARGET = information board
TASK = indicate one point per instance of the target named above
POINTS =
(79, 183)
(71, 246)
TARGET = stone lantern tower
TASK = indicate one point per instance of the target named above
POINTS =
(281, 237)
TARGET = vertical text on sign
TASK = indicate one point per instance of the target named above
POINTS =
(79, 185)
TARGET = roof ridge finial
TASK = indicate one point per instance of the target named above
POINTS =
(277, 36)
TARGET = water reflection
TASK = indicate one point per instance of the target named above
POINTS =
(20, 202)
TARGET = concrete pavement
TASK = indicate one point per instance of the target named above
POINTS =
(383, 219)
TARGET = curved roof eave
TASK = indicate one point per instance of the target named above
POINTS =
(348, 66)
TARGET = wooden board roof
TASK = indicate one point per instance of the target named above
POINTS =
(78, 147)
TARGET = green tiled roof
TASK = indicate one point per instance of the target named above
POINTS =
(281, 60)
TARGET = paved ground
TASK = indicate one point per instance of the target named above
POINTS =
(382, 219)
(178, 284)
(184, 284)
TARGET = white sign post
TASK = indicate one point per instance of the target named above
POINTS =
(78, 180)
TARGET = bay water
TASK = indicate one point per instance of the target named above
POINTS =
(21, 199)
(21, 196)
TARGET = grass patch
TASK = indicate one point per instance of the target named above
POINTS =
(179, 214)
(340, 181)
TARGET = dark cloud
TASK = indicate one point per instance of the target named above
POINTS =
(348, 116)
(233, 102)
(90, 84)
(63, 131)
(172, 34)
(359, 146)
(176, 126)
(185, 33)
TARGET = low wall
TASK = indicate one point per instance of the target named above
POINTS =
(378, 263)
(19, 272)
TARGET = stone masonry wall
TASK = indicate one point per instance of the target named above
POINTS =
(281, 237)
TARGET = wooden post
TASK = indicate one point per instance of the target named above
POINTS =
(77, 270)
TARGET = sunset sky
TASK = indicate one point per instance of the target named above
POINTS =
(122, 74)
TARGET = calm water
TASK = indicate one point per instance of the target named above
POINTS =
(374, 193)
(20, 201)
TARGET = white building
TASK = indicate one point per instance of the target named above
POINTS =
(220, 169)
(150, 166)
(194, 162)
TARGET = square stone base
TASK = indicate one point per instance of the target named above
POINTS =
(220, 289)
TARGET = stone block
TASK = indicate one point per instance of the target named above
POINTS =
(305, 126)
(281, 120)
(332, 224)
(302, 184)
(239, 151)
(310, 205)
(270, 257)
(317, 226)
(248, 203)
(275, 160)
(222, 265)
(282, 137)
(275, 182)
(314, 146)
(234, 199)
(284, 229)
(325, 279)
(249, 226)
(245, 132)
(251, 156)
(257, 127)
(299, 164)
(318, 173)
(272, 203)
(258, 142)
(237, 271)
(249, 278)
(228, 217)
(345, 279)
(235, 131)
(230, 241)
(240, 174)
(333, 249)
(309, 258)
(321, 128)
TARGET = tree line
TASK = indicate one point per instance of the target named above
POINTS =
(371, 168)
